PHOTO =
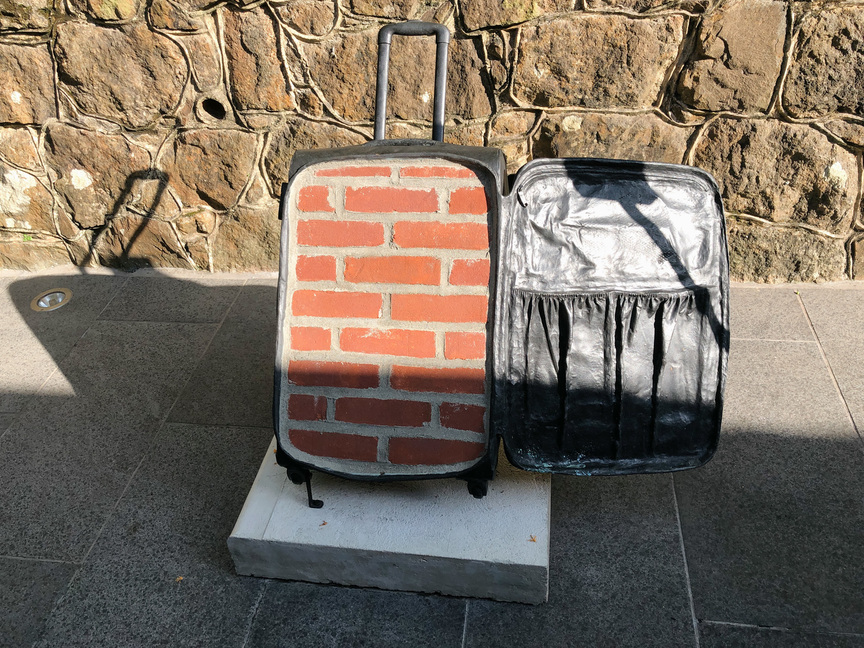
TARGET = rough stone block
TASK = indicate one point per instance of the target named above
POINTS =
(210, 167)
(336, 65)
(26, 84)
(480, 14)
(827, 65)
(781, 172)
(737, 59)
(625, 137)
(780, 254)
(24, 202)
(617, 62)
(258, 80)
(127, 74)
(95, 172)
(311, 17)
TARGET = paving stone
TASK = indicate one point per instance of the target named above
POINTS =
(724, 636)
(233, 383)
(837, 314)
(324, 615)
(175, 298)
(772, 526)
(32, 343)
(160, 573)
(71, 451)
(767, 313)
(616, 573)
(28, 589)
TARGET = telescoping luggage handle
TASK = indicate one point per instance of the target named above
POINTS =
(412, 28)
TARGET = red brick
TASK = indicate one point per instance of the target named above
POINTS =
(458, 416)
(335, 444)
(436, 172)
(468, 200)
(393, 269)
(328, 233)
(452, 236)
(323, 303)
(470, 272)
(314, 199)
(310, 338)
(311, 373)
(303, 407)
(438, 308)
(355, 172)
(397, 342)
(464, 346)
(430, 452)
(385, 200)
(457, 380)
(317, 268)
(371, 411)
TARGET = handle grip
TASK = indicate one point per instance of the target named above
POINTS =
(442, 40)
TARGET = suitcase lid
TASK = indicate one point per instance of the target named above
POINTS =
(611, 321)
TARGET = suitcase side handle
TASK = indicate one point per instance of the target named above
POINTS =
(442, 40)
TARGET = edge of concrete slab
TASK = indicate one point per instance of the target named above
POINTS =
(481, 552)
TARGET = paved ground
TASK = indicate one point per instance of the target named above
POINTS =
(132, 422)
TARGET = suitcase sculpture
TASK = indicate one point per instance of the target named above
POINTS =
(425, 313)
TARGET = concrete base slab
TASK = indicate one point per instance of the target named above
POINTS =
(422, 536)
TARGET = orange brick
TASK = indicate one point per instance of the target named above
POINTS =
(470, 272)
(457, 380)
(303, 407)
(393, 269)
(310, 373)
(430, 452)
(372, 411)
(355, 172)
(451, 236)
(464, 346)
(340, 233)
(468, 200)
(438, 308)
(397, 342)
(436, 172)
(335, 444)
(458, 416)
(309, 338)
(314, 199)
(317, 268)
(324, 303)
(385, 200)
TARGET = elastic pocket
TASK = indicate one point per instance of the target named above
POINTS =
(606, 380)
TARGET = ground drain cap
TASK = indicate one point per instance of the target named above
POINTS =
(51, 299)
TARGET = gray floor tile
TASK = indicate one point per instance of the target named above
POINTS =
(160, 573)
(837, 315)
(767, 313)
(724, 636)
(33, 343)
(180, 298)
(6, 419)
(67, 456)
(774, 525)
(302, 614)
(233, 384)
(616, 573)
(28, 589)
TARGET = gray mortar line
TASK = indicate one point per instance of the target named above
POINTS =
(775, 103)
(801, 631)
(831, 371)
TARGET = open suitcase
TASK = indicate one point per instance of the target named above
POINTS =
(424, 311)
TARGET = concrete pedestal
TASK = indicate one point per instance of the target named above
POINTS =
(423, 536)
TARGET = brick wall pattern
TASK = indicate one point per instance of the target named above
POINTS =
(385, 325)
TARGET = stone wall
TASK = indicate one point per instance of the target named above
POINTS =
(157, 132)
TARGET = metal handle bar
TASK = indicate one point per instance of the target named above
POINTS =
(412, 28)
